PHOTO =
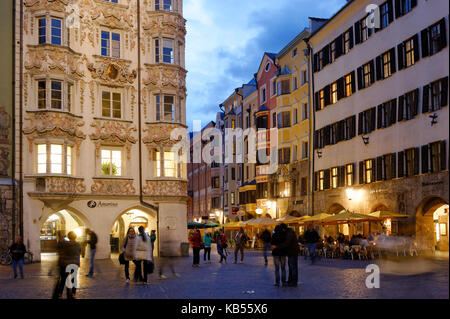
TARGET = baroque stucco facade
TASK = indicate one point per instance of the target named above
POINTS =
(79, 62)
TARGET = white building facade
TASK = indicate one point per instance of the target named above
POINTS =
(381, 114)
(92, 155)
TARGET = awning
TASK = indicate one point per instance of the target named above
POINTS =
(346, 217)
(233, 225)
(263, 221)
(386, 214)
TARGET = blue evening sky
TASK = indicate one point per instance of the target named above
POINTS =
(226, 40)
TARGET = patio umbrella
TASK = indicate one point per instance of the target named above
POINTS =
(247, 222)
(288, 219)
(346, 217)
(386, 214)
(194, 225)
(263, 221)
(316, 218)
(211, 225)
(233, 225)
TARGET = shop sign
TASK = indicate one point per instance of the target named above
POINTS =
(100, 204)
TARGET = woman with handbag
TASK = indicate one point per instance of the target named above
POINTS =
(143, 255)
(129, 252)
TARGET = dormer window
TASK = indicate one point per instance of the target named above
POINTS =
(267, 67)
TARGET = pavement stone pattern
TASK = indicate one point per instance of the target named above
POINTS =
(327, 279)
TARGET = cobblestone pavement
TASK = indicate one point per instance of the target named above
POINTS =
(426, 278)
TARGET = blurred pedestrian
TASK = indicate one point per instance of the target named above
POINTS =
(69, 255)
(279, 256)
(311, 239)
(266, 238)
(207, 240)
(143, 255)
(18, 251)
(153, 239)
(166, 261)
(129, 252)
(221, 241)
(290, 244)
(92, 242)
(240, 239)
(195, 240)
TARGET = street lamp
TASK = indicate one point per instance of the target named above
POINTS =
(259, 211)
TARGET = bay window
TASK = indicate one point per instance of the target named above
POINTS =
(54, 158)
(54, 94)
(166, 5)
(110, 45)
(50, 30)
(111, 104)
(164, 51)
(165, 108)
(168, 164)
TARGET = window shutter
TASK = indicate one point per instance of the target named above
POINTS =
(394, 166)
(338, 43)
(393, 111)
(401, 105)
(416, 48)
(401, 54)
(425, 165)
(340, 85)
(316, 62)
(326, 55)
(416, 103)
(316, 101)
(416, 161)
(424, 40)
(358, 32)
(373, 117)
(413, 3)
(401, 164)
(327, 135)
(353, 126)
(426, 99)
(315, 140)
(379, 68)
(443, 151)
(353, 82)
(393, 67)
(360, 78)
(361, 173)
(341, 176)
(372, 71)
(398, 12)
(443, 40)
(380, 115)
(360, 123)
(326, 182)
(390, 11)
(316, 181)
(351, 37)
(380, 174)
(327, 92)
(444, 91)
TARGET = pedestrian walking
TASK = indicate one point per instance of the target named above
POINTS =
(266, 238)
(291, 245)
(129, 253)
(153, 239)
(279, 256)
(143, 255)
(311, 239)
(240, 239)
(165, 261)
(69, 254)
(195, 239)
(92, 242)
(18, 251)
(221, 241)
(207, 240)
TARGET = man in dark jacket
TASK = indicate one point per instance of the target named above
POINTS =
(311, 239)
(279, 256)
(290, 244)
(266, 238)
(18, 251)
(69, 255)
(93, 245)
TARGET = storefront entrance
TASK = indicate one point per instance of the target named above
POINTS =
(432, 223)
(57, 226)
(132, 218)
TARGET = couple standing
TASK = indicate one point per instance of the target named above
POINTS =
(285, 246)
(138, 249)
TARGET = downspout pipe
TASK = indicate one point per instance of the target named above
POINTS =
(312, 124)
(13, 113)
(21, 124)
(141, 194)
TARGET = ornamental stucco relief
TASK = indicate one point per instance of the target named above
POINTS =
(160, 76)
(165, 23)
(54, 124)
(165, 188)
(64, 185)
(113, 187)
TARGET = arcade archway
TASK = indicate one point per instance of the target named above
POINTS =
(131, 218)
(432, 224)
(56, 227)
